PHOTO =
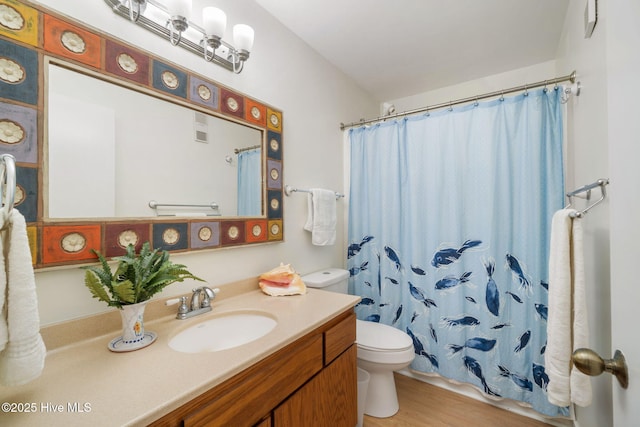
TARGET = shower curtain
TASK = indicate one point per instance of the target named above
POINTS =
(449, 227)
(249, 187)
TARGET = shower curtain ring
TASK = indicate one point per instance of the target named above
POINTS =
(501, 96)
(526, 91)
(476, 103)
(450, 107)
(545, 87)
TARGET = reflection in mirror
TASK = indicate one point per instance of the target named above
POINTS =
(111, 150)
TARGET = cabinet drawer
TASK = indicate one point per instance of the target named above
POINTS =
(339, 337)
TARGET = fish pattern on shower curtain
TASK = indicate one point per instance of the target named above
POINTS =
(449, 226)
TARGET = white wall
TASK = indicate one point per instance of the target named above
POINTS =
(587, 128)
(282, 71)
(70, 137)
(488, 84)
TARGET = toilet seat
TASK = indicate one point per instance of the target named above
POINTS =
(400, 358)
(380, 337)
(383, 344)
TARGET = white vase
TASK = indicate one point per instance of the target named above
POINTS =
(133, 322)
(133, 336)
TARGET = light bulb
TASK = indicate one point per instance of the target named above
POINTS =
(214, 21)
(179, 7)
(243, 37)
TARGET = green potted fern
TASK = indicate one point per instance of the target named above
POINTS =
(137, 278)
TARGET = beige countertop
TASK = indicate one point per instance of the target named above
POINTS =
(83, 383)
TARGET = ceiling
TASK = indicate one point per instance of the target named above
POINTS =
(397, 48)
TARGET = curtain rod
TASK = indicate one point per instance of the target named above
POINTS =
(240, 150)
(570, 77)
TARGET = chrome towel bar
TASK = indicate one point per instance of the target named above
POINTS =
(601, 183)
(289, 189)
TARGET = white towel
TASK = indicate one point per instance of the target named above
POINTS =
(4, 330)
(321, 220)
(567, 323)
(22, 356)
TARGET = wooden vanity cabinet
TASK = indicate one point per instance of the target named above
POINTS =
(310, 382)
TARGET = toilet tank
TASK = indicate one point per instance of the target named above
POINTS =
(330, 279)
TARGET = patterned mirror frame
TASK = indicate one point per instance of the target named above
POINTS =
(28, 35)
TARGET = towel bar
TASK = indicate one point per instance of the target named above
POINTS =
(289, 189)
(154, 205)
(587, 189)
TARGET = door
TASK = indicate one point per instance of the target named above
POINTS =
(623, 62)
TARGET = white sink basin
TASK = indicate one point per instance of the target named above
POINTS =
(223, 332)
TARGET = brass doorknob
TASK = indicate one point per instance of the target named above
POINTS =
(590, 363)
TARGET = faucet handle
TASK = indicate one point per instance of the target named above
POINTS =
(172, 301)
(182, 309)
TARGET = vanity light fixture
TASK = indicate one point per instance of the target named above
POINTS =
(136, 8)
(170, 19)
(215, 23)
(243, 38)
(178, 12)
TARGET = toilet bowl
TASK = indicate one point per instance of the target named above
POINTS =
(382, 349)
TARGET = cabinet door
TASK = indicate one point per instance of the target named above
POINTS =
(246, 398)
(328, 399)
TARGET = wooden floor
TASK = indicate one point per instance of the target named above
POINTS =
(423, 404)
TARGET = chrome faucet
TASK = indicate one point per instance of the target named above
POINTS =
(200, 302)
(205, 301)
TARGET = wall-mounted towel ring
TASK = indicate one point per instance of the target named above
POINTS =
(7, 181)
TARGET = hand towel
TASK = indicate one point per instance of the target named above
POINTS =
(567, 322)
(4, 330)
(321, 220)
(581, 393)
(22, 358)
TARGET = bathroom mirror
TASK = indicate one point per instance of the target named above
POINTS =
(111, 150)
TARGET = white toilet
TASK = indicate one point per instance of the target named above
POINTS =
(382, 349)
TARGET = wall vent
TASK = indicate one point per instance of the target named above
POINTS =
(201, 128)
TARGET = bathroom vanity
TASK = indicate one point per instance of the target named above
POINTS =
(311, 381)
(303, 372)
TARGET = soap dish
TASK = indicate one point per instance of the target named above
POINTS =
(118, 345)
